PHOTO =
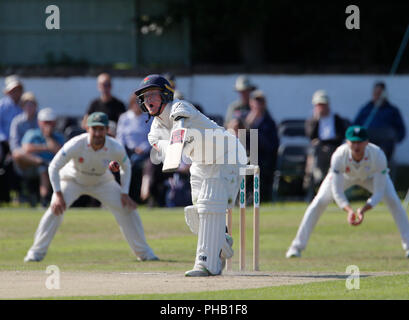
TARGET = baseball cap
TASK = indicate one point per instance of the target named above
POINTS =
(243, 83)
(356, 133)
(46, 114)
(257, 94)
(11, 82)
(97, 119)
(28, 96)
(320, 96)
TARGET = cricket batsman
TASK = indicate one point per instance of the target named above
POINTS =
(214, 184)
(356, 162)
(81, 167)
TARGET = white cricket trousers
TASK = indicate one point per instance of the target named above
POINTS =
(109, 194)
(324, 198)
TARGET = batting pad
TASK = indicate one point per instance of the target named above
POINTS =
(210, 241)
(192, 218)
(212, 196)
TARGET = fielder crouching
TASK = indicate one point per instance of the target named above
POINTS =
(81, 167)
(214, 181)
(356, 162)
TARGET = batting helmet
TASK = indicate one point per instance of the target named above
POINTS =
(155, 81)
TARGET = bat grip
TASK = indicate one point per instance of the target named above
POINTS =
(180, 122)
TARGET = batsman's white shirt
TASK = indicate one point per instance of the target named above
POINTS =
(202, 129)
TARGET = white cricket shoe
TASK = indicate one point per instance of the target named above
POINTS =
(148, 257)
(293, 253)
(198, 272)
(33, 257)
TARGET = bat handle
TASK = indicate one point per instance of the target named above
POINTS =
(180, 122)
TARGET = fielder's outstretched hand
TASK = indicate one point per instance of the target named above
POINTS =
(351, 217)
(127, 202)
(360, 213)
(355, 219)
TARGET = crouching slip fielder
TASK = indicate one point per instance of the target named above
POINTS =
(84, 161)
(356, 162)
(214, 186)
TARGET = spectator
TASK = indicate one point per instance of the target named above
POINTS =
(9, 108)
(326, 131)
(19, 126)
(39, 147)
(106, 102)
(259, 118)
(383, 121)
(234, 125)
(23, 121)
(178, 190)
(9, 105)
(132, 133)
(240, 107)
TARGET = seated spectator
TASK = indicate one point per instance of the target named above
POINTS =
(132, 133)
(259, 118)
(23, 121)
(9, 108)
(106, 102)
(239, 108)
(326, 131)
(38, 148)
(383, 121)
(19, 126)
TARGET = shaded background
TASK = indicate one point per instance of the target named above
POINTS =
(139, 36)
(289, 49)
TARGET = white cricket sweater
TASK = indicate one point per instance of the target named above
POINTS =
(77, 160)
(344, 168)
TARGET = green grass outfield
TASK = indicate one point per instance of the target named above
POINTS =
(90, 240)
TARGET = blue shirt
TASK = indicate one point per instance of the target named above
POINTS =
(387, 116)
(19, 126)
(35, 136)
(8, 110)
(132, 131)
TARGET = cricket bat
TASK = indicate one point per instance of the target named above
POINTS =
(175, 148)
